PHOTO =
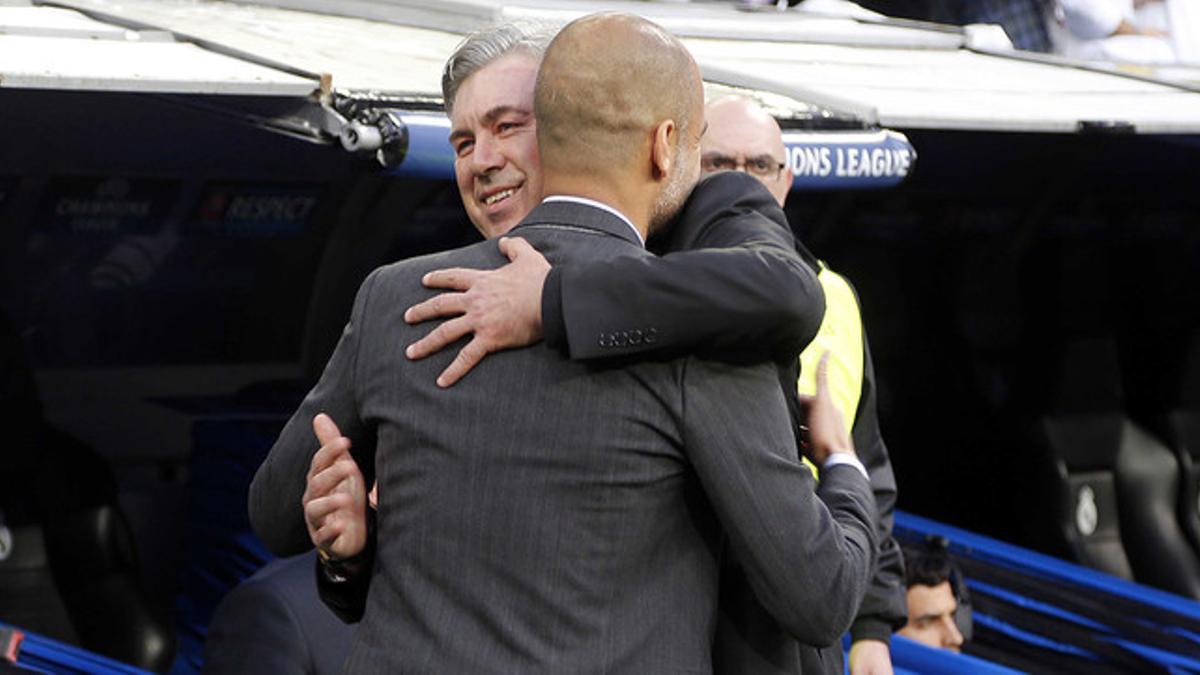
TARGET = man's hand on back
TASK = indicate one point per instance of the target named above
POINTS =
(501, 307)
(335, 499)
(826, 432)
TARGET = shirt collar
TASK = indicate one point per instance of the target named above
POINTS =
(599, 205)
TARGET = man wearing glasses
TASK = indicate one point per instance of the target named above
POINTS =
(732, 144)
(743, 137)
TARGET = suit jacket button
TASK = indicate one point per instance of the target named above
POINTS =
(651, 336)
(635, 337)
(606, 340)
(620, 338)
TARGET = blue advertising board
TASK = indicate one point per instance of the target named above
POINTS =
(818, 160)
(848, 160)
(255, 209)
(106, 206)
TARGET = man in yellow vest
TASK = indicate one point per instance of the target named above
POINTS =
(742, 136)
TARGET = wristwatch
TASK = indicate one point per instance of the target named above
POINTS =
(340, 570)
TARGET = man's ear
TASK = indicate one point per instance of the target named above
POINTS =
(782, 186)
(662, 148)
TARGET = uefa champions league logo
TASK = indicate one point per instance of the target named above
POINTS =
(6, 542)
(1087, 514)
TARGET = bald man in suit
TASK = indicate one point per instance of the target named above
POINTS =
(577, 524)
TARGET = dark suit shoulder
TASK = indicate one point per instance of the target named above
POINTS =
(715, 199)
(728, 188)
(274, 622)
(483, 254)
(560, 242)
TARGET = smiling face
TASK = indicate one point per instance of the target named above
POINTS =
(494, 136)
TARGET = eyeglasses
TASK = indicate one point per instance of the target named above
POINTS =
(763, 166)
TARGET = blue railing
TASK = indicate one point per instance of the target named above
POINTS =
(39, 653)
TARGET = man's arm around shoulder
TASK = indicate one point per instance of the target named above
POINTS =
(731, 285)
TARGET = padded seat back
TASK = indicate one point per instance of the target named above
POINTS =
(1069, 395)
(29, 597)
(1183, 431)
(95, 565)
(1181, 428)
(1148, 486)
(1117, 487)
(1080, 453)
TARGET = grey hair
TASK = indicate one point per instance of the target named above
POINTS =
(483, 46)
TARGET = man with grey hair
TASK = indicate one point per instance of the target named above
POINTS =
(482, 47)
(487, 84)
(497, 169)
(488, 88)
(564, 529)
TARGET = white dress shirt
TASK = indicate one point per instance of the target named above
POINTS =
(599, 205)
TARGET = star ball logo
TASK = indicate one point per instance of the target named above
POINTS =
(6, 542)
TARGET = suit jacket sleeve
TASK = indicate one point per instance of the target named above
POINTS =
(885, 606)
(254, 630)
(807, 551)
(346, 597)
(276, 492)
(731, 287)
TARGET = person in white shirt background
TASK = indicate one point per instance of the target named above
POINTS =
(1127, 31)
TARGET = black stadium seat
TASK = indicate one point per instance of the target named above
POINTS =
(1075, 469)
(1115, 486)
(1184, 438)
(29, 598)
(1070, 433)
(69, 568)
(1179, 424)
(1148, 486)
(95, 565)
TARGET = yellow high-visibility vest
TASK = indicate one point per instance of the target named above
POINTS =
(841, 334)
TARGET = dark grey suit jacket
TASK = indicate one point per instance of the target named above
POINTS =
(732, 253)
(552, 516)
(730, 285)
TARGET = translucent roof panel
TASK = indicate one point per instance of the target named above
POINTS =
(959, 89)
(25, 19)
(832, 68)
(359, 54)
(28, 62)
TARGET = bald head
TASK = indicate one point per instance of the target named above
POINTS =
(605, 83)
(741, 131)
